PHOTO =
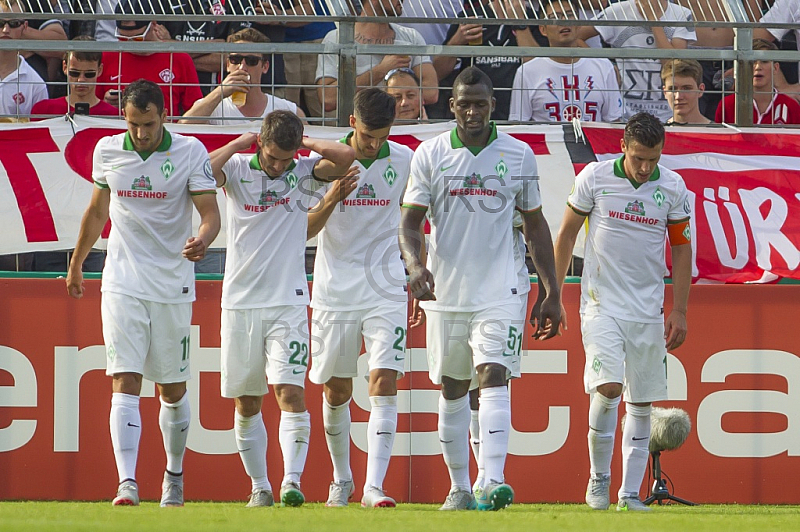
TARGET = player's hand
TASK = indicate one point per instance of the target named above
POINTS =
(344, 186)
(549, 319)
(245, 141)
(675, 329)
(417, 318)
(195, 249)
(391, 62)
(75, 286)
(420, 282)
(236, 81)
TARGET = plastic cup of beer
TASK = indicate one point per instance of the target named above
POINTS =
(238, 98)
(477, 41)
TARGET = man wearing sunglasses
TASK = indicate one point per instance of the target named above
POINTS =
(81, 69)
(174, 72)
(223, 106)
(20, 85)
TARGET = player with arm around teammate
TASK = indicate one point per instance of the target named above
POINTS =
(634, 205)
(264, 327)
(146, 181)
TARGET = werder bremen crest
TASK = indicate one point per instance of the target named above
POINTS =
(635, 207)
(659, 197)
(501, 168)
(167, 168)
(270, 197)
(473, 181)
(389, 175)
(365, 191)
(141, 183)
(291, 180)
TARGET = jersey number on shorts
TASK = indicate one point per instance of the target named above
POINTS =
(514, 341)
(400, 344)
(185, 355)
(298, 350)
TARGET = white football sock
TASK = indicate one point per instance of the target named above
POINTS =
(454, 439)
(635, 449)
(602, 427)
(336, 420)
(475, 443)
(293, 434)
(174, 418)
(380, 438)
(251, 440)
(126, 428)
(495, 419)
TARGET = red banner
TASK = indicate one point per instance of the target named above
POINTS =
(739, 383)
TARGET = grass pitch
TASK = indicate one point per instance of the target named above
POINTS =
(197, 517)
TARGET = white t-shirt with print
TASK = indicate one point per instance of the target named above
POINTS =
(151, 214)
(624, 261)
(471, 201)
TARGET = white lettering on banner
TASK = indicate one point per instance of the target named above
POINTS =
(718, 232)
(717, 368)
(20, 394)
(767, 229)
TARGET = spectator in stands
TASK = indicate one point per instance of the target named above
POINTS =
(47, 63)
(106, 29)
(208, 65)
(783, 12)
(20, 86)
(82, 70)
(769, 106)
(174, 72)
(641, 85)
(403, 84)
(372, 69)
(682, 82)
(301, 69)
(500, 69)
(223, 105)
(560, 89)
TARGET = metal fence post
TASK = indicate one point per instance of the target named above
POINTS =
(347, 73)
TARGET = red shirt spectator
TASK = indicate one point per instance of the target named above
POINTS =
(59, 106)
(782, 110)
(173, 72)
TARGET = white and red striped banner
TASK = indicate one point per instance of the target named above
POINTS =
(745, 185)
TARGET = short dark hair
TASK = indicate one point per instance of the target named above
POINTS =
(96, 57)
(374, 108)
(473, 76)
(645, 129)
(142, 93)
(282, 128)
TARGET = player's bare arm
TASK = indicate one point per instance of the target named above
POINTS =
(420, 279)
(675, 329)
(221, 155)
(336, 158)
(341, 188)
(540, 244)
(565, 243)
(196, 246)
(94, 219)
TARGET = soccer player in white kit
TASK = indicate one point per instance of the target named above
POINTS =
(560, 89)
(360, 294)
(634, 205)
(146, 180)
(264, 327)
(472, 178)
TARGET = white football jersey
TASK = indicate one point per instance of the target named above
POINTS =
(518, 239)
(358, 261)
(151, 214)
(267, 225)
(471, 199)
(548, 91)
(624, 261)
(227, 114)
(641, 78)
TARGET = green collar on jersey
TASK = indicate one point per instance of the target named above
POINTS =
(619, 171)
(456, 143)
(166, 142)
(366, 163)
(255, 164)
